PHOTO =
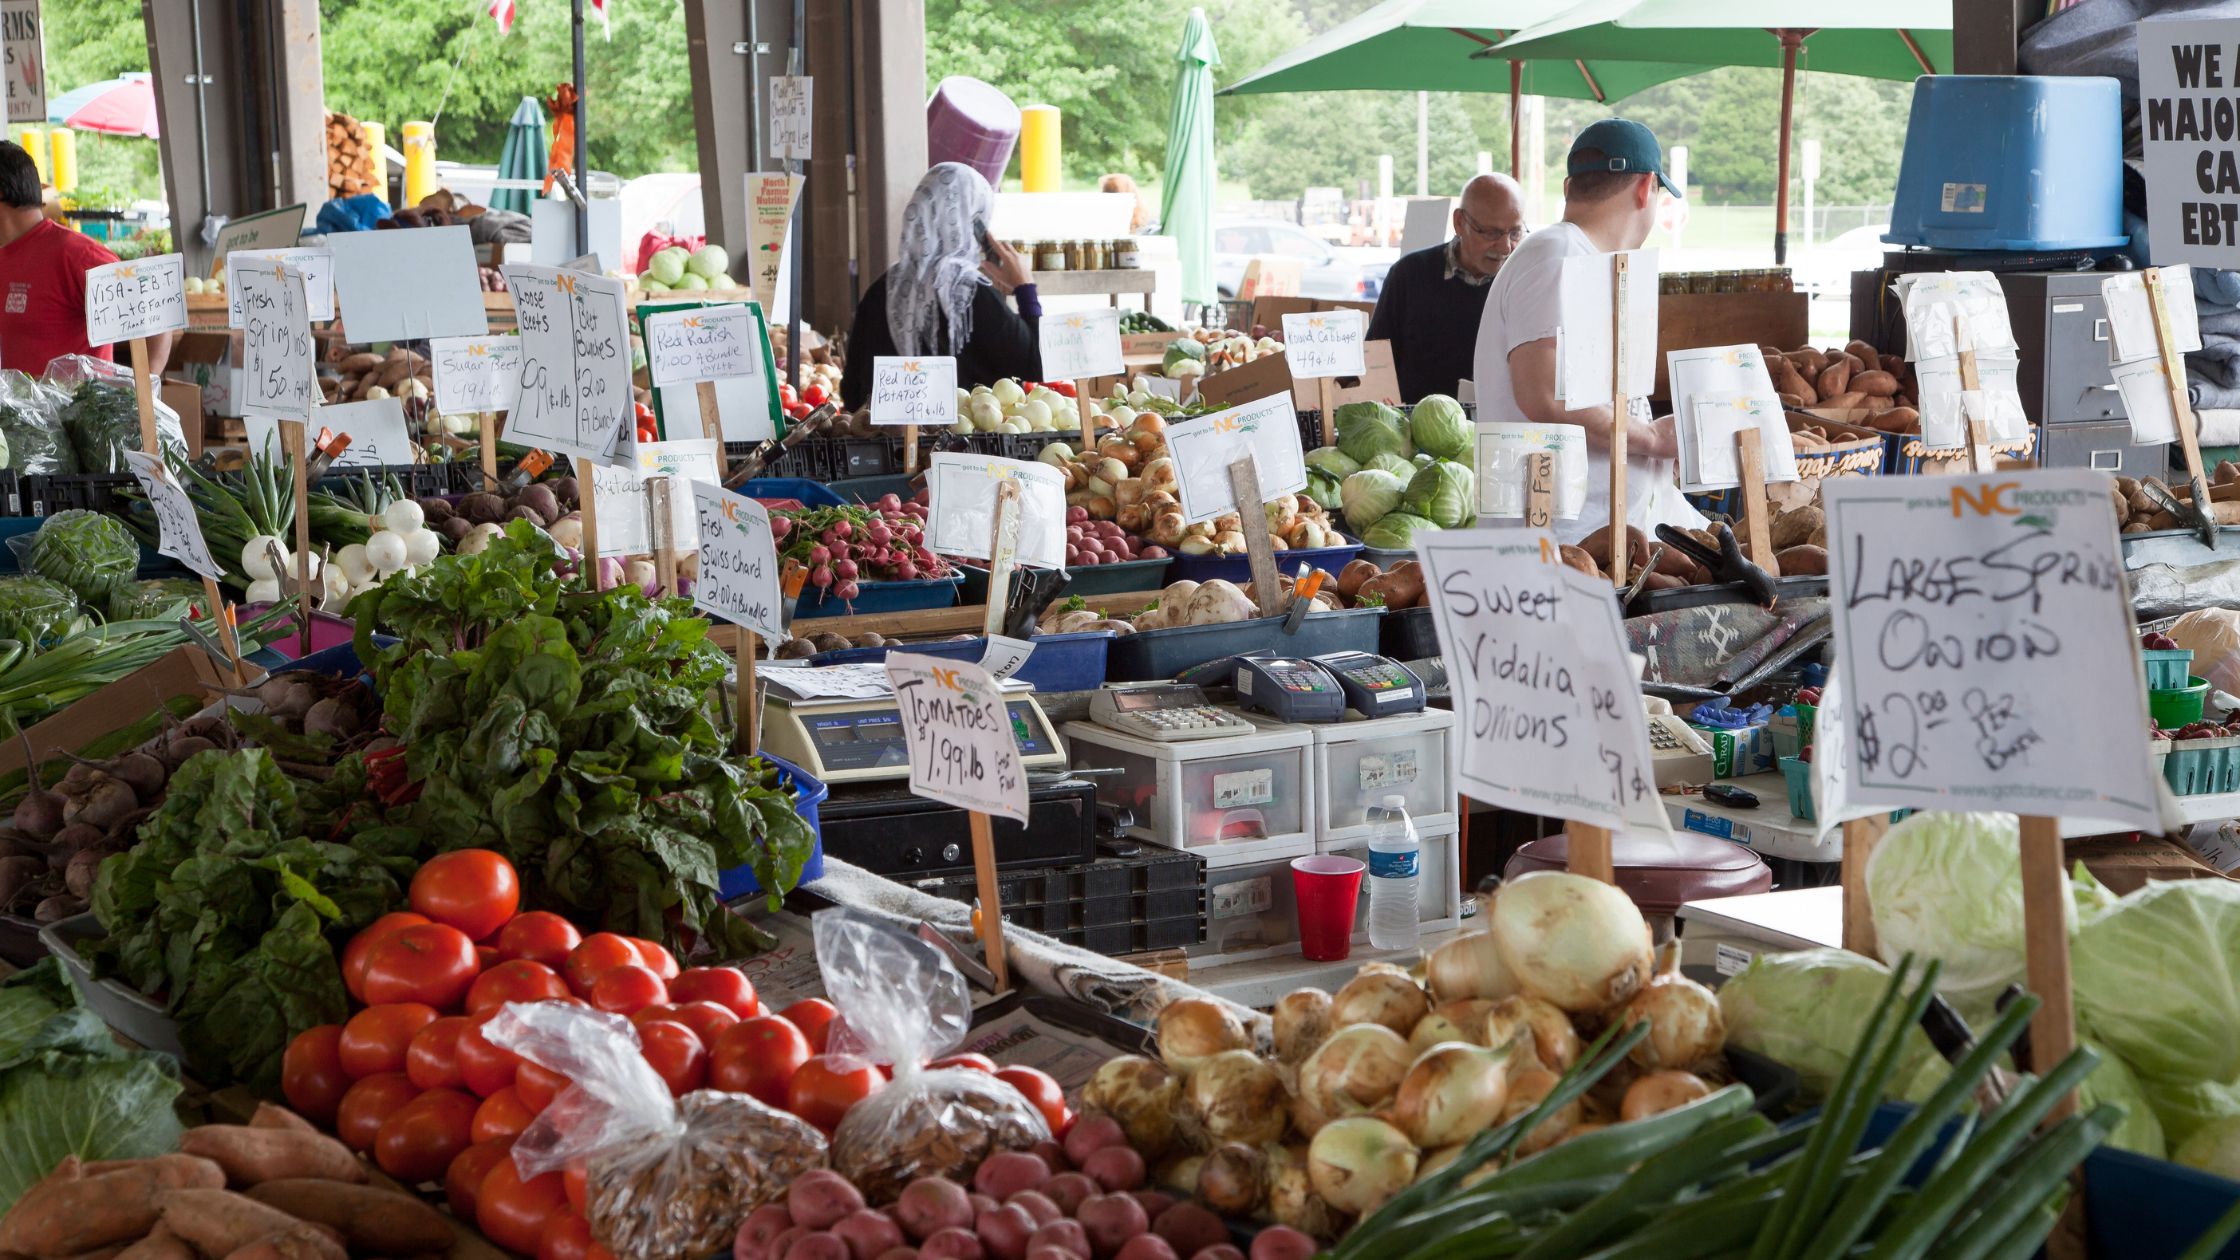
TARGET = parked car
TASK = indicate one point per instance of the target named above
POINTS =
(1824, 268)
(1325, 270)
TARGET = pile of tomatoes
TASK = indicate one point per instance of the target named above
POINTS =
(798, 405)
(411, 1080)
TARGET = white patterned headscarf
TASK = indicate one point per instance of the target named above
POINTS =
(932, 284)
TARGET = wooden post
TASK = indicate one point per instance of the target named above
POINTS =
(1588, 848)
(144, 393)
(586, 480)
(1619, 417)
(909, 450)
(486, 436)
(991, 904)
(743, 648)
(293, 439)
(1757, 536)
(658, 507)
(2045, 937)
(711, 413)
(2181, 406)
(1972, 434)
(1859, 838)
(1003, 553)
(1267, 586)
(1086, 406)
(1329, 398)
(1540, 489)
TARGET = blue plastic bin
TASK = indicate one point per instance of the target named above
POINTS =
(1238, 568)
(1061, 662)
(808, 794)
(814, 494)
(2012, 162)
(879, 597)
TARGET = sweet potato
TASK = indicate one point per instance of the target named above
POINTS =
(370, 1219)
(1894, 364)
(1788, 381)
(1863, 352)
(1879, 384)
(251, 1155)
(1834, 378)
(1796, 527)
(1580, 560)
(1850, 400)
(1802, 559)
(275, 1116)
(1662, 582)
(357, 364)
(160, 1244)
(1808, 360)
(1597, 545)
(62, 1217)
(220, 1223)
(296, 1244)
(1354, 574)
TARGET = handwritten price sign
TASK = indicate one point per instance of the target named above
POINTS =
(1978, 621)
(914, 391)
(738, 561)
(278, 377)
(178, 528)
(710, 343)
(790, 97)
(575, 362)
(1537, 660)
(140, 298)
(1323, 343)
(316, 266)
(1203, 447)
(962, 751)
(1081, 344)
(476, 373)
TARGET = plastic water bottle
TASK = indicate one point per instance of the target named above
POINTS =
(1395, 869)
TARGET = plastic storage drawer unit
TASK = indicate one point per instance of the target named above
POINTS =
(1358, 764)
(1439, 878)
(1246, 798)
(2011, 162)
(1252, 910)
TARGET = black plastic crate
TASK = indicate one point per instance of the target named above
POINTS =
(1113, 896)
(1029, 445)
(870, 457)
(50, 493)
(12, 501)
(1134, 938)
(420, 481)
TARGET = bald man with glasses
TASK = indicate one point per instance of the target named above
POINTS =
(1432, 298)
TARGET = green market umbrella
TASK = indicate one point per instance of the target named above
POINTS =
(1896, 39)
(523, 157)
(1426, 46)
(1186, 192)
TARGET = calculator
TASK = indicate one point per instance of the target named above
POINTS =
(1375, 686)
(1163, 712)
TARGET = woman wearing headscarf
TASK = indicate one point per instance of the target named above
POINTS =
(944, 295)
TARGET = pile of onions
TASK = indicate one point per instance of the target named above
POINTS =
(1469, 967)
(1302, 1022)
(1578, 942)
(1142, 1095)
(1685, 1026)
(1237, 1096)
(1660, 1092)
(1463, 1020)
(1451, 1092)
(1356, 1070)
(1192, 1030)
(1359, 1162)
(1380, 994)
(1291, 1195)
(1547, 1031)
(1233, 1179)
(1526, 1090)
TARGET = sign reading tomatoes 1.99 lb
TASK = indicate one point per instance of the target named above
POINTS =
(962, 749)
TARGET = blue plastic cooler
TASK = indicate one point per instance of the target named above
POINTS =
(2011, 162)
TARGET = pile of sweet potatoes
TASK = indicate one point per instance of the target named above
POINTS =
(273, 1189)
(1856, 378)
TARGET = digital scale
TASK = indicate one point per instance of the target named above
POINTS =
(857, 740)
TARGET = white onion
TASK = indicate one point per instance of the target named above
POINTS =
(1291, 1195)
(1451, 1092)
(1380, 995)
(256, 561)
(1548, 1032)
(262, 591)
(1302, 1022)
(1359, 1162)
(403, 516)
(1660, 1092)
(1578, 942)
(1180, 1175)
(1233, 1179)
(1469, 967)
(1685, 1026)
(1139, 1093)
(386, 551)
(1433, 1161)
(1237, 1096)
(1526, 1089)
(1356, 1070)
(1451, 1021)
(422, 546)
(1192, 1030)
(354, 565)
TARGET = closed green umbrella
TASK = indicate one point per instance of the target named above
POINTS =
(1186, 193)
(1891, 39)
(523, 157)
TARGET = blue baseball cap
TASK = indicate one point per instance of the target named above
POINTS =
(1623, 146)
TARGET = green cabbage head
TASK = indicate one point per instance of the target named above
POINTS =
(1368, 496)
(2154, 979)
(1808, 1009)
(1398, 465)
(1367, 429)
(1333, 461)
(2216, 1149)
(1444, 494)
(1949, 886)
(1437, 425)
(2113, 1082)
(1324, 489)
(1397, 531)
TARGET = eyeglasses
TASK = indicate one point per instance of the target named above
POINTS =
(1514, 235)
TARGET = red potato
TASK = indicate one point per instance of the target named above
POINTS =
(982, 1203)
(1067, 1236)
(1038, 1206)
(820, 1198)
(1146, 1247)
(1115, 1168)
(1190, 1228)
(1005, 1231)
(899, 1253)
(1006, 1173)
(931, 1204)
(1153, 1201)
(818, 1247)
(1111, 1220)
(761, 1228)
(1222, 1251)
(1091, 1134)
(1069, 1190)
(1281, 1242)
(1049, 1253)
(1052, 1155)
(785, 1239)
(868, 1234)
(953, 1244)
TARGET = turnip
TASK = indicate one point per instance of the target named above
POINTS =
(641, 574)
(422, 546)
(352, 563)
(256, 561)
(386, 551)
(403, 516)
(568, 531)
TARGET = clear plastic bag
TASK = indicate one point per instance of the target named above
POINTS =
(30, 422)
(101, 414)
(901, 1004)
(664, 1177)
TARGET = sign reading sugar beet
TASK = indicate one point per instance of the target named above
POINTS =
(1537, 660)
(1980, 622)
(476, 373)
(738, 561)
(962, 749)
(2189, 118)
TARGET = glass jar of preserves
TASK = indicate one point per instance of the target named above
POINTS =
(1127, 255)
(1050, 256)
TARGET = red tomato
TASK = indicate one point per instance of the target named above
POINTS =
(464, 1177)
(539, 936)
(537, 1085)
(814, 395)
(376, 1039)
(575, 1180)
(656, 957)
(501, 1115)
(725, 986)
(758, 1056)
(820, 1093)
(1038, 1088)
(354, 954)
(676, 1054)
(516, 981)
(568, 1237)
(419, 1140)
(484, 1067)
(312, 1075)
(473, 890)
(485, 957)
(627, 989)
(428, 962)
(513, 1213)
(598, 952)
(369, 1103)
(707, 1020)
(974, 1062)
(813, 1016)
(431, 1059)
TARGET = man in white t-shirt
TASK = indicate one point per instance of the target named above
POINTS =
(1610, 201)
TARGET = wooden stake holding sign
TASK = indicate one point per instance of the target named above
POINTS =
(1980, 458)
(1757, 534)
(1003, 555)
(2181, 404)
(1860, 835)
(293, 447)
(1540, 490)
(664, 537)
(143, 390)
(1259, 548)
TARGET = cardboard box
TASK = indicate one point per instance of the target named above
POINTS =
(1686, 321)
(186, 670)
(185, 399)
(1271, 374)
(1737, 751)
(210, 360)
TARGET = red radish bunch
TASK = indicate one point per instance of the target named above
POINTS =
(842, 548)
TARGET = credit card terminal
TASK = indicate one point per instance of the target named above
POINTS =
(1375, 686)
(1290, 688)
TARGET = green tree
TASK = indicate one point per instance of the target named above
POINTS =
(88, 41)
(1274, 162)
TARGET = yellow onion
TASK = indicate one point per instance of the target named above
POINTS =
(1433, 1161)
(1142, 1095)
(1233, 1179)
(1291, 1195)
(1552, 1039)
(1660, 1092)
(1302, 1022)
(1685, 1026)
(1578, 942)
(1526, 1090)
(1453, 1090)
(1237, 1096)
(1380, 995)
(1356, 1070)
(1464, 1020)
(1469, 967)
(1180, 1175)
(1192, 1030)
(1359, 1162)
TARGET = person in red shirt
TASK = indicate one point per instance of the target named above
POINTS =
(43, 267)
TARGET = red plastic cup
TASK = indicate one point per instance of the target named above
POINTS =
(1328, 888)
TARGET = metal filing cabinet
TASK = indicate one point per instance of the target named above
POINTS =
(2104, 446)
(2061, 330)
